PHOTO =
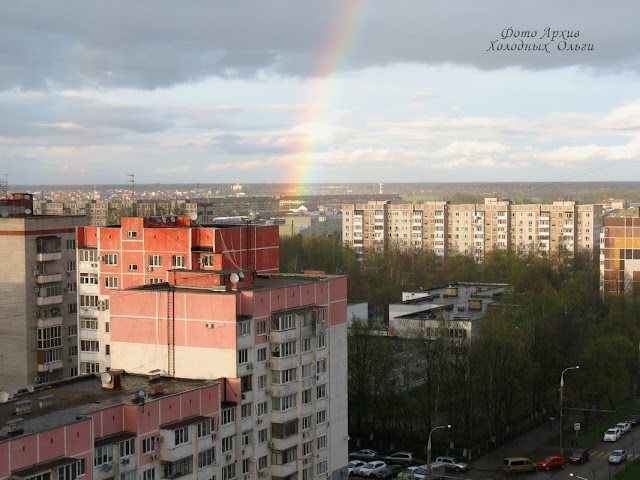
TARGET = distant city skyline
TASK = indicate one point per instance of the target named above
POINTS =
(319, 92)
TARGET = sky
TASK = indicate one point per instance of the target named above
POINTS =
(319, 91)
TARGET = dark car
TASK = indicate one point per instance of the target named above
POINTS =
(390, 471)
(634, 419)
(579, 455)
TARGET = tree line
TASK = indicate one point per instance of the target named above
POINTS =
(554, 317)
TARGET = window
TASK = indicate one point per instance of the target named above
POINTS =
(71, 287)
(88, 279)
(206, 458)
(153, 281)
(306, 396)
(245, 410)
(322, 442)
(178, 261)
(72, 308)
(321, 467)
(321, 366)
(205, 428)
(88, 324)
(321, 391)
(262, 435)
(247, 438)
(133, 267)
(262, 409)
(107, 350)
(246, 465)
(181, 436)
(89, 346)
(306, 449)
(102, 455)
(49, 244)
(70, 266)
(262, 354)
(228, 416)
(307, 473)
(132, 234)
(284, 430)
(87, 255)
(227, 444)
(283, 403)
(321, 417)
(208, 261)
(321, 341)
(262, 382)
(149, 474)
(111, 282)
(155, 260)
(127, 447)
(306, 422)
(107, 326)
(49, 337)
(306, 370)
(148, 444)
(179, 468)
(130, 475)
(73, 351)
(73, 371)
(283, 457)
(246, 383)
(243, 328)
(286, 349)
(111, 259)
(229, 471)
(88, 300)
(283, 376)
(306, 344)
(243, 356)
(71, 244)
(285, 322)
(263, 462)
(89, 367)
(262, 327)
(73, 471)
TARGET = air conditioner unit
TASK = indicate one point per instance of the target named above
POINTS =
(36, 380)
(268, 364)
(149, 268)
(213, 435)
(124, 461)
(199, 260)
(250, 366)
(35, 273)
(99, 258)
(208, 325)
(268, 392)
(160, 439)
(259, 421)
(154, 456)
(272, 444)
(106, 467)
(266, 337)
(36, 290)
(243, 452)
(228, 456)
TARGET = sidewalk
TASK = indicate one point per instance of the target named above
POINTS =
(539, 441)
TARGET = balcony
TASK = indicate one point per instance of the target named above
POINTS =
(52, 300)
(49, 367)
(55, 277)
(48, 257)
(49, 322)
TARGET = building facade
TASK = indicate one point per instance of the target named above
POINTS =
(620, 253)
(473, 229)
(38, 339)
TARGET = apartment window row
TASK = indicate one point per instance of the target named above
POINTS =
(49, 337)
(178, 468)
(88, 279)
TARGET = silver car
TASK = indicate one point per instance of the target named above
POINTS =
(451, 463)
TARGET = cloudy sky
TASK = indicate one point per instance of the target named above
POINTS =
(319, 91)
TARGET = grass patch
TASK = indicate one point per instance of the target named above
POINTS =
(599, 424)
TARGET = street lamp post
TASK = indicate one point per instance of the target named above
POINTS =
(429, 450)
(561, 391)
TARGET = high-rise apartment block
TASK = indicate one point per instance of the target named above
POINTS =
(620, 253)
(38, 338)
(473, 229)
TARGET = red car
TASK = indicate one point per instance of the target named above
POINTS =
(554, 461)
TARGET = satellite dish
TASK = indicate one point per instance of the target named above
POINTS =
(173, 219)
(141, 393)
(164, 219)
(30, 388)
(4, 397)
(4, 212)
(105, 377)
(193, 215)
(27, 211)
(235, 278)
(241, 274)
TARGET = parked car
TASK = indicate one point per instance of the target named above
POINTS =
(612, 435)
(390, 471)
(451, 463)
(634, 419)
(518, 465)
(617, 456)
(579, 455)
(354, 466)
(553, 461)
(402, 458)
(364, 454)
(407, 473)
(438, 470)
(624, 427)
(371, 468)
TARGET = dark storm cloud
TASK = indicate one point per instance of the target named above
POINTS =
(150, 44)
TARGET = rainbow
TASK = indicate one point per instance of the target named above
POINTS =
(315, 123)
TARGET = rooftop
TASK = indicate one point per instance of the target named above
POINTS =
(81, 396)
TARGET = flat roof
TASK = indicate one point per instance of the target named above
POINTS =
(80, 396)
